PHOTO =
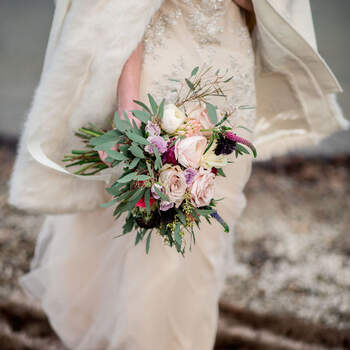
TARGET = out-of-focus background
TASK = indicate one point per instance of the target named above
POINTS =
(290, 288)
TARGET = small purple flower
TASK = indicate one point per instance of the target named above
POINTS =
(164, 206)
(152, 129)
(190, 174)
(158, 142)
(154, 193)
(169, 155)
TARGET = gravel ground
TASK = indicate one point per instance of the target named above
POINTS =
(291, 285)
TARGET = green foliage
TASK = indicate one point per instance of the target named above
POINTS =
(137, 151)
(143, 116)
(161, 194)
(212, 112)
(153, 104)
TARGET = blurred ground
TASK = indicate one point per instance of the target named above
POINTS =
(291, 283)
(25, 25)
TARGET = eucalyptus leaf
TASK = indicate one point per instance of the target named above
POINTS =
(136, 151)
(116, 155)
(109, 136)
(148, 241)
(144, 106)
(142, 177)
(135, 198)
(134, 163)
(189, 84)
(142, 115)
(194, 71)
(227, 80)
(161, 109)
(212, 112)
(158, 163)
(181, 217)
(205, 212)
(161, 194)
(178, 238)
(127, 178)
(137, 138)
(108, 204)
(241, 148)
(147, 199)
(129, 224)
(153, 104)
(149, 168)
(212, 138)
(125, 195)
(121, 124)
(221, 172)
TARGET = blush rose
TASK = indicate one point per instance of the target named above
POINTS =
(173, 182)
(202, 189)
(189, 151)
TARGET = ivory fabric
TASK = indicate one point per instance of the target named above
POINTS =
(296, 103)
(87, 48)
(104, 293)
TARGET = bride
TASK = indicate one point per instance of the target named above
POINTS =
(104, 293)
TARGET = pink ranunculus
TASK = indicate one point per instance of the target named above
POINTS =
(173, 182)
(200, 113)
(189, 151)
(202, 189)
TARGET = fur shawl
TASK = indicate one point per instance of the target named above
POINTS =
(83, 63)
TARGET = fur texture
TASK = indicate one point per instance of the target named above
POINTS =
(78, 86)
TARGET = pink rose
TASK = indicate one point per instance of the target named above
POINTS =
(199, 113)
(202, 189)
(189, 151)
(173, 182)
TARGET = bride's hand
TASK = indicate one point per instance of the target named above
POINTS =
(246, 4)
(128, 90)
(129, 84)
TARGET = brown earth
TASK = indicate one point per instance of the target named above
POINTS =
(290, 286)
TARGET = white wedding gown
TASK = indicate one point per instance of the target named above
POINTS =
(102, 293)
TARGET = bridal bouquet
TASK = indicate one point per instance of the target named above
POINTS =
(170, 162)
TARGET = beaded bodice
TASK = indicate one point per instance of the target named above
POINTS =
(186, 33)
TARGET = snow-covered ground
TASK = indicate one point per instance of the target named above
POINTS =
(24, 27)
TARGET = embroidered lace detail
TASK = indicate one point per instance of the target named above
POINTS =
(157, 29)
(208, 35)
(167, 85)
(205, 18)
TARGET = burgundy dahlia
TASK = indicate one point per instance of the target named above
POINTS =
(169, 155)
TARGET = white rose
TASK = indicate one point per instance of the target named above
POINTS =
(211, 160)
(173, 117)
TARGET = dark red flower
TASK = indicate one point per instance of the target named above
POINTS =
(141, 203)
(169, 155)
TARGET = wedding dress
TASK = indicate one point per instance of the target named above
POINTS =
(101, 292)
